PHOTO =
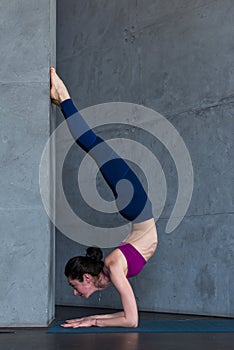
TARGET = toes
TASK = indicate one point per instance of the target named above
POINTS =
(52, 69)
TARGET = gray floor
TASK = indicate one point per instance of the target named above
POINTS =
(28, 339)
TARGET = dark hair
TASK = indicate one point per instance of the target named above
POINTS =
(79, 265)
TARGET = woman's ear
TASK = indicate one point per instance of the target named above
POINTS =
(87, 277)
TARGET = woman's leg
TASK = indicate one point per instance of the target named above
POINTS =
(131, 198)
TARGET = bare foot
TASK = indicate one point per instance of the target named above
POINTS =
(58, 90)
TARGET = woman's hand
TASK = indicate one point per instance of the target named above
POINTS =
(80, 322)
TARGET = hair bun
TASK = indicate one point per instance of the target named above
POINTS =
(94, 253)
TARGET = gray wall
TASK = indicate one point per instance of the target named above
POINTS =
(175, 57)
(27, 238)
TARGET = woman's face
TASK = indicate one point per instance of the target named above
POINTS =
(85, 288)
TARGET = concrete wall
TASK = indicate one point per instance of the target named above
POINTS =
(28, 31)
(177, 58)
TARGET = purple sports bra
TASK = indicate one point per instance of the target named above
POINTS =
(135, 260)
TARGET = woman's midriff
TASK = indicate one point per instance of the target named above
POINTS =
(144, 238)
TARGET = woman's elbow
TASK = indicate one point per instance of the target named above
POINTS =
(132, 323)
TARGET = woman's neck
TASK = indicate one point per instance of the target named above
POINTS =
(103, 281)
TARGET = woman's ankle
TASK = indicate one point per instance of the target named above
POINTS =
(63, 95)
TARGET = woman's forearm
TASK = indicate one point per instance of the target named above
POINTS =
(113, 320)
(116, 314)
(120, 321)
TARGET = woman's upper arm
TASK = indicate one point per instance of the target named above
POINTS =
(124, 288)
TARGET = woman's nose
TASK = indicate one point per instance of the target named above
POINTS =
(75, 292)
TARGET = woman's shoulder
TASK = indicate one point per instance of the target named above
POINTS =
(115, 260)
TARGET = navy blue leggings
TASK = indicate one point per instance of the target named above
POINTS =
(131, 199)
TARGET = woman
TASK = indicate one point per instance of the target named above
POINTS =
(87, 274)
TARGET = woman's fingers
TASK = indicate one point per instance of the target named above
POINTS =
(66, 325)
(74, 320)
(79, 322)
(74, 324)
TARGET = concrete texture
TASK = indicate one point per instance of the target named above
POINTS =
(27, 238)
(177, 58)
